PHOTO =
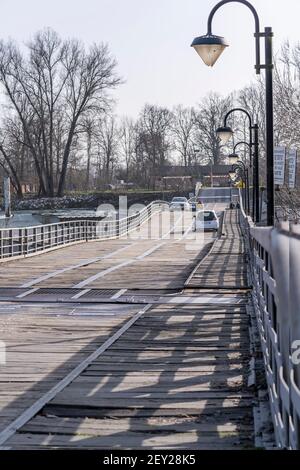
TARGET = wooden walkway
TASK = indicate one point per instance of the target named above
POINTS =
(226, 265)
(175, 377)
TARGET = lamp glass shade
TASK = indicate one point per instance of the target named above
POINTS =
(209, 48)
(232, 175)
(233, 158)
(224, 134)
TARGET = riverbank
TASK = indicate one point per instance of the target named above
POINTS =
(93, 200)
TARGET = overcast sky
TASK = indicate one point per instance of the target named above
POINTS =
(151, 41)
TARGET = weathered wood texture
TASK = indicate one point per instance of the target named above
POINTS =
(177, 378)
(226, 265)
(164, 259)
(44, 343)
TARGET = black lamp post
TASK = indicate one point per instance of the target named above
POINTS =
(210, 47)
(225, 134)
(245, 178)
(233, 157)
(242, 143)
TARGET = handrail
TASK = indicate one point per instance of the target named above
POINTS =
(274, 255)
(25, 241)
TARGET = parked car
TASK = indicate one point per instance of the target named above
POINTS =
(206, 220)
(179, 203)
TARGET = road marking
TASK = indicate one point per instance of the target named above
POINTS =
(93, 260)
(82, 264)
(74, 266)
(24, 294)
(186, 232)
(175, 225)
(103, 273)
(118, 294)
(26, 416)
(149, 252)
(80, 294)
(116, 267)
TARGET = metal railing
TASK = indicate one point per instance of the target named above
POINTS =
(275, 269)
(24, 241)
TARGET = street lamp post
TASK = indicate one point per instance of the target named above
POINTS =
(225, 134)
(245, 178)
(210, 47)
(233, 158)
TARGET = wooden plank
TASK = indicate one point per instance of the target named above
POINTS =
(189, 440)
(89, 426)
(37, 406)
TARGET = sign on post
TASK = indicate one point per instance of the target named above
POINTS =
(292, 162)
(279, 165)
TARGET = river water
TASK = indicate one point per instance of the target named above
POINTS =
(42, 217)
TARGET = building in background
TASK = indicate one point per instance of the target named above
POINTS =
(185, 178)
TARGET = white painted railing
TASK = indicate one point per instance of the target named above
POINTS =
(275, 263)
(24, 241)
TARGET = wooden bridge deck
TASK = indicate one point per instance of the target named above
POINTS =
(137, 261)
(174, 376)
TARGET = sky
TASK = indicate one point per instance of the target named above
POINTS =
(151, 41)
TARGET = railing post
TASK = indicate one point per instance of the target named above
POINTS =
(20, 241)
(42, 237)
(10, 246)
(25, 241)
(86, 230)
(118, 226)
(56, 235)
(1, 244)
(35, 239)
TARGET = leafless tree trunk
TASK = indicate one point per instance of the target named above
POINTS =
(107, 138)
(127, 143)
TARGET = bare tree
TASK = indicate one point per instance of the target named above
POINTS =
(287, 96)
(153, 144)
(183, 132)
(56, 79)
(208, 117)
(252, 98)
(13, 153)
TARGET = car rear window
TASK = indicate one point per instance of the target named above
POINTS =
(207, 216)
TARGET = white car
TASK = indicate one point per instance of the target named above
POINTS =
(179, 203)
(206, 220)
